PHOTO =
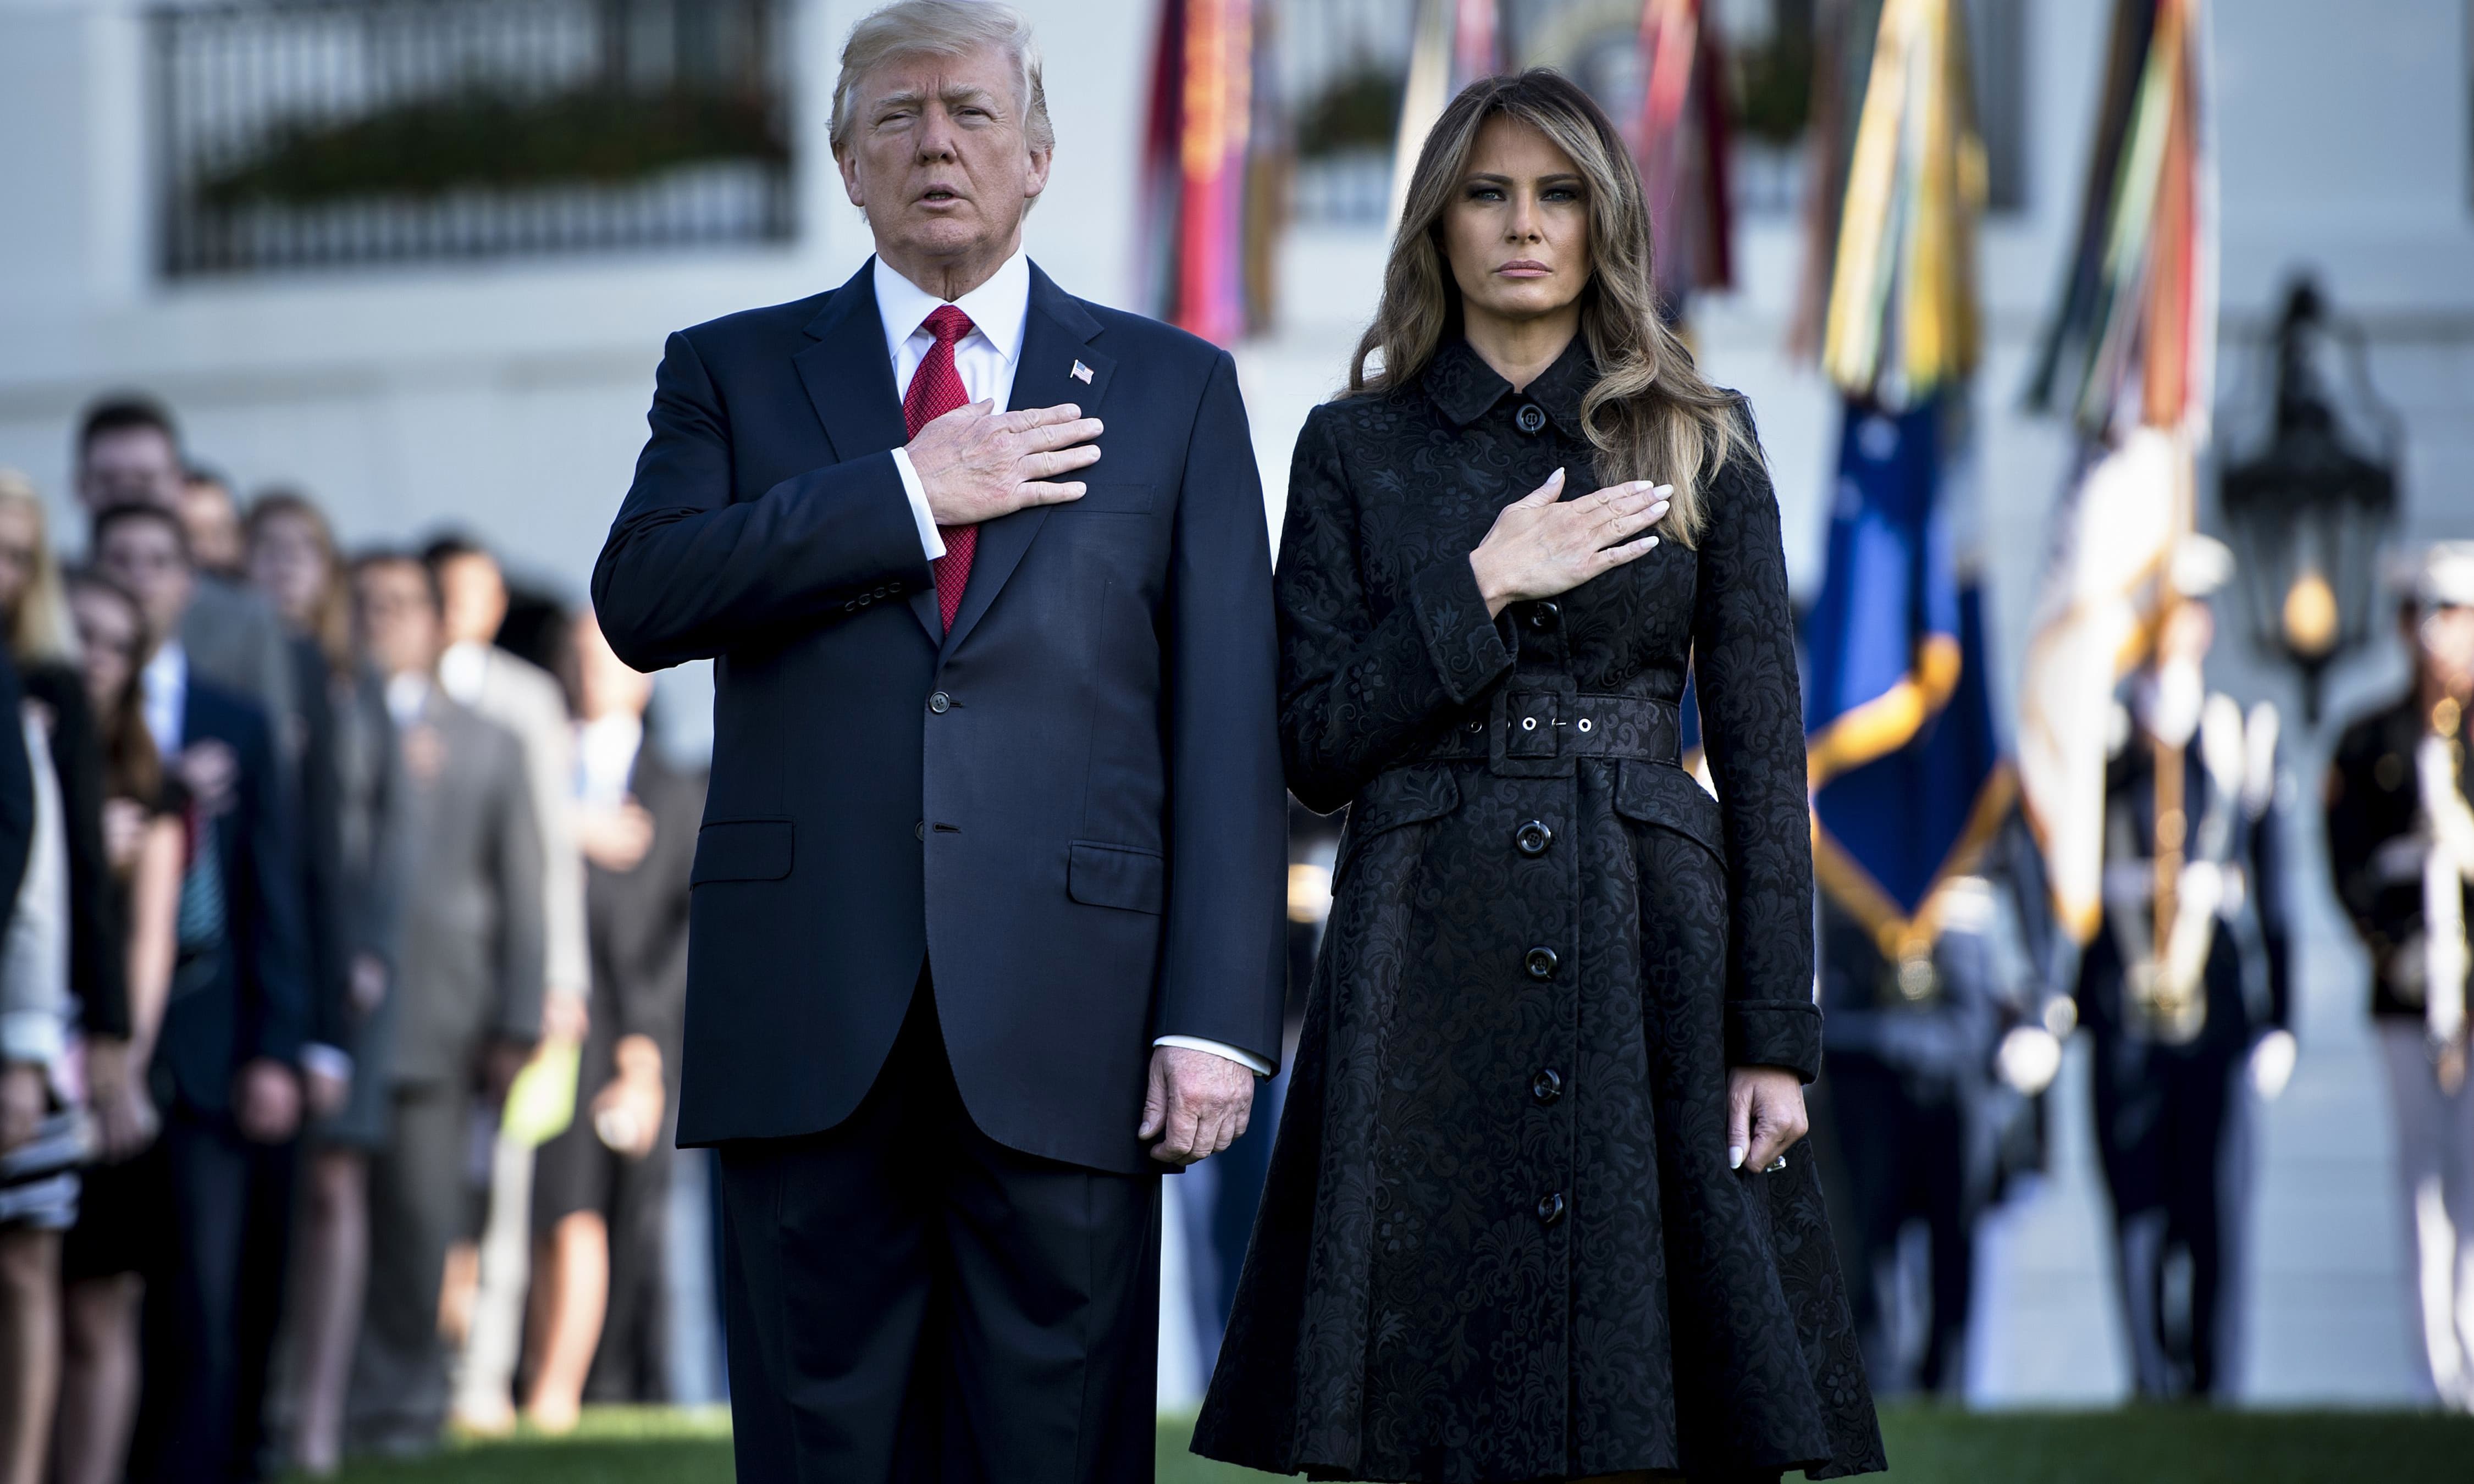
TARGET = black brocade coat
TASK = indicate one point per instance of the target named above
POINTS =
(1500, 1240)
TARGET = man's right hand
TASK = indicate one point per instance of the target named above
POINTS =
(977, 464)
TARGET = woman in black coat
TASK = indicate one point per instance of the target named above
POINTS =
(1527, 1218)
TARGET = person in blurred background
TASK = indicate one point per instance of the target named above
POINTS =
(480, 673)
(600, 1188)
(129, 452)
(126, 1205)
(466, 995)
(2184, 988)
(212, 517)
(228, 1056)
(2401, 849)
(60, 931)
(38, 1190)
(353, 795)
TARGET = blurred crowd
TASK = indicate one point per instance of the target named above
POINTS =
(340, 999)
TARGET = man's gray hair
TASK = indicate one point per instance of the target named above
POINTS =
(944, 28)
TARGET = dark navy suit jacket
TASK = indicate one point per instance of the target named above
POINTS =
(1071, 804)
(247, 997)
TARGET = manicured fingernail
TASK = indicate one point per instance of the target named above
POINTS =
(1657, 510)
(1734, 1157)
(1652, 546)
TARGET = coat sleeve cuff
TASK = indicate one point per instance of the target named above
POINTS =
(1467, 647)
(1774, 1033)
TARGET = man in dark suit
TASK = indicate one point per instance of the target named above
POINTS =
(464, 1008)
(987, 901)
(226, 1060)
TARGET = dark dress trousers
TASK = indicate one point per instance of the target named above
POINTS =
(1070, 805)
(240, 993)
(1500, 1239)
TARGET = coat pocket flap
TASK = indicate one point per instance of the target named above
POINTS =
(1403, 796)
(742, 850)
(1117, 875)
(1665, 795)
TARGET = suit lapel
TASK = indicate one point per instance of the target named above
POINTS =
(1055, 337)
(850, 382)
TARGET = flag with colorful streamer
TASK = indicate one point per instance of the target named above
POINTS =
(1679, 138)
(1204, 215)
(1454, 44)
(2129, 358)
(1909, 781)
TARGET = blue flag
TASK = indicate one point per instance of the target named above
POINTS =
(1906, 770)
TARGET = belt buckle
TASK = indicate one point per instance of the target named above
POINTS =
(1525, 737)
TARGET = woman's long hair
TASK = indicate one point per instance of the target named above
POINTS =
(331, 625)
(131, 767)
(1650, 414)
(40, 631)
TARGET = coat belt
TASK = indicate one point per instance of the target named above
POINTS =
(1539, 733)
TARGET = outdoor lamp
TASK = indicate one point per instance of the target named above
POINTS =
(2308, 511)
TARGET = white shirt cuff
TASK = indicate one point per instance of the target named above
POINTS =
(33, 1036)
(917, 495)
(1244, 1058)
(326, 1060)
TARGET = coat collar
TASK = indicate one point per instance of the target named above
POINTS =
(1464, 388)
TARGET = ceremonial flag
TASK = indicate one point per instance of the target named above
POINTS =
(1456, 42)
(1200, 138)
(2129, 358)
(1680, 143)
(1907, 775)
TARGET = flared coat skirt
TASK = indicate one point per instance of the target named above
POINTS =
(1500, 1239)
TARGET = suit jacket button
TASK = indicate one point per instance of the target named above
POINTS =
(941, 702)
(1541, 963)
(1533, 838)
(1550, 1207)
(1546, 1087)
(920, 830)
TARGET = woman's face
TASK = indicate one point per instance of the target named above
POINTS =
(106, 644)
(1517, 232)
(21, 537)
(289, 566)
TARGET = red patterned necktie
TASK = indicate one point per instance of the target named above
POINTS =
(936, 390)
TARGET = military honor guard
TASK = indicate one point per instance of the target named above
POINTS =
(2184, 989)
(2401, 848)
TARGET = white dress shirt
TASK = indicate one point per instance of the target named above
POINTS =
(163, 689)
(986, 358)
(605, 759)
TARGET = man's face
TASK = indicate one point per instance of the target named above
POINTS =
(213, 523)
(394, 618)
(476, 599)
(130, 466)
(2445, 639)
(937, 157)
(145, 557)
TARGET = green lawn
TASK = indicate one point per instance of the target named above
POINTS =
(1926, 1446)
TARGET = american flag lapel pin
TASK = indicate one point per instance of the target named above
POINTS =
(1083, 373)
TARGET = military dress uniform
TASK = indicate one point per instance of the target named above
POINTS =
(2381, 849)
(2187, 970)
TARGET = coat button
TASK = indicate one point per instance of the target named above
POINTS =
(1541, 963)
(1550, 1207)
(1542, 615)
(1546, 1087)
(1530, 417)
(941, 702)
(920, 830)
(1533, 838)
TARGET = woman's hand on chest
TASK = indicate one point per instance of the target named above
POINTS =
(1543, 546)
